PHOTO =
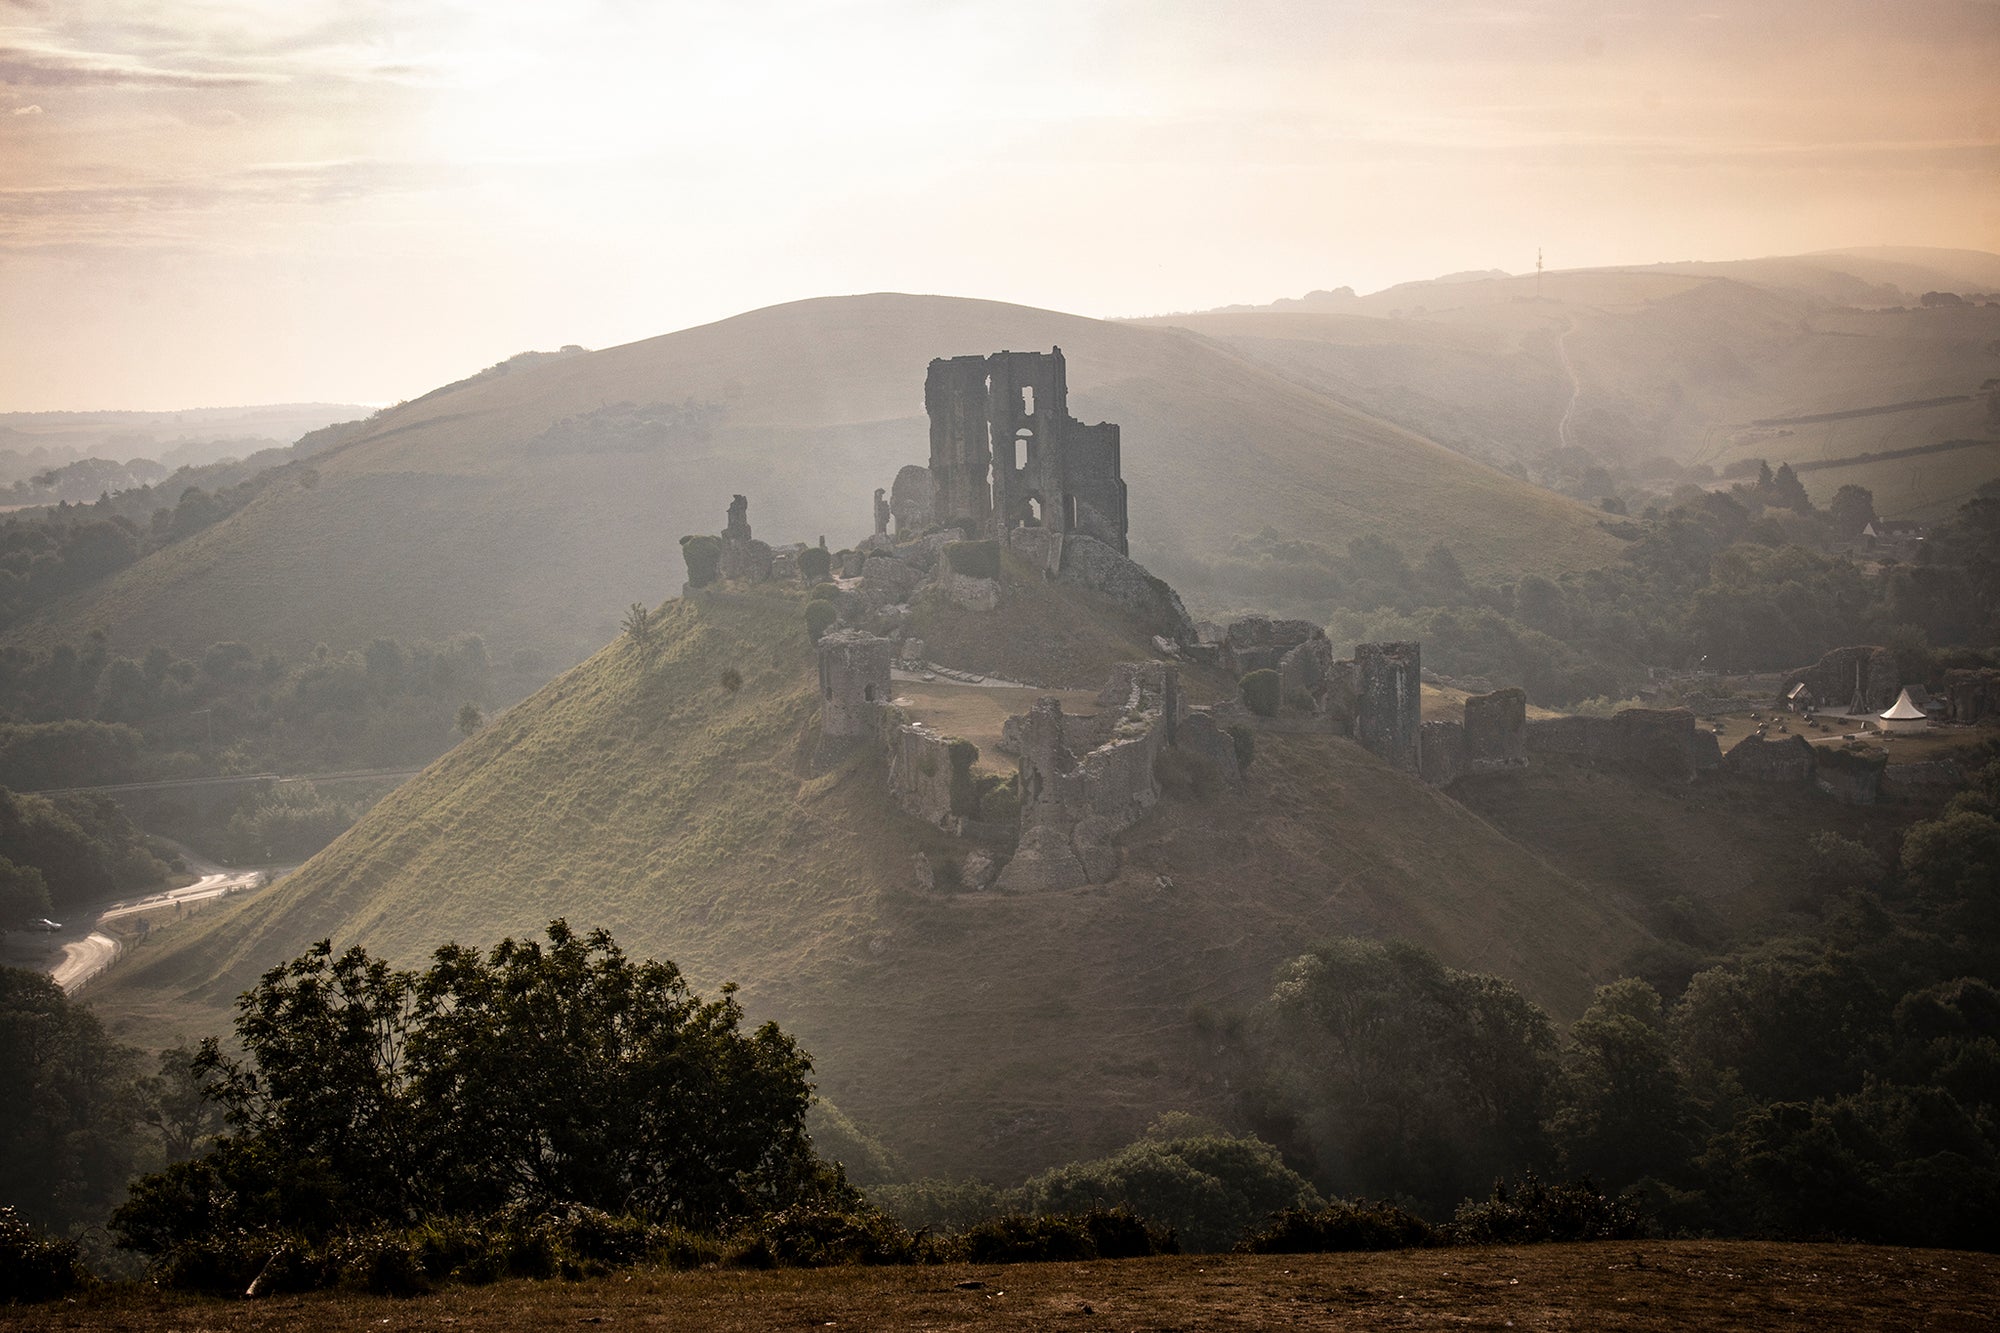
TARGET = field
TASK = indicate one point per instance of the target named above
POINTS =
(1638, 1286)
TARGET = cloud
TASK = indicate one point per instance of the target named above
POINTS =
(29, 110)
(52, 68)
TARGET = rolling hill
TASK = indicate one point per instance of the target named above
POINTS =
(1670, 365)
(534, 501)
(978, 1032)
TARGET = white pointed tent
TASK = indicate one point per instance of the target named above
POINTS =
(1903, 715)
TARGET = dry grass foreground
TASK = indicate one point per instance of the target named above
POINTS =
(1644, 1285)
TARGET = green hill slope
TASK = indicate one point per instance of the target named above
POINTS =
(973, 1032)
(532, 505)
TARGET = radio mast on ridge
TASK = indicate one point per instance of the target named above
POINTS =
(1538, 273)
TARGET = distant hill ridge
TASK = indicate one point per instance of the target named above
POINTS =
(473, 510)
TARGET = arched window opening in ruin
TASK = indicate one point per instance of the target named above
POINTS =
(868, 692)
(1069, 513)
(1021, 438)
(1027, 400)
(1034, 512)
(1034, 787)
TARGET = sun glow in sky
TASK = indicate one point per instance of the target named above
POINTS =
(232, 201)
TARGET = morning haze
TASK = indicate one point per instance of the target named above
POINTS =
(1113, 663)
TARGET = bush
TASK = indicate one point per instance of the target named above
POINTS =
(974, 560)
(999, 798)
(1534, 1211)
(703, 555)
(815, 564)
(823, 1238)
(34, 1267)
(1342, 1225)
(731, 679)
(820, 617)
(1245, 741)
(824, 592)
(1261, 691)
(1018, 1238)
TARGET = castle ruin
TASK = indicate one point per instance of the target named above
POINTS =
(1006, 454)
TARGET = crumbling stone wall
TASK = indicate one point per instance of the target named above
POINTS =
(1972, 693)
(1075, 801)
(1849, 776)
(1388, 716)
(1259, 643)
(1658, 741)
(1788, 759)
(1861, 679)
(920, 773)
(1005, 453)
(1496, 729)
(853, 682)
(1442, 753)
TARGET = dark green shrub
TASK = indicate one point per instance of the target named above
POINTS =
(815, 564)
(1535, 1211)
(974, 560)
(1261, 690)
(999, 799)
(731, 679)
(965, 527)
(939, 1204)
(824, 592)
(824, 1238)
(1245, 741)
(34, 1267)
(1342, 1225)
(703, 555)
(1017, 1238)
(820, 617)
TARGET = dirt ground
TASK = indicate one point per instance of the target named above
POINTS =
(1642, 1285)
(977, 712)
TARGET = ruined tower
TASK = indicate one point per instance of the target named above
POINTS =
(853, 679)
(1389, 716)
(1005, 452)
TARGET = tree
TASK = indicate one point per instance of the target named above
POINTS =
(1626, 1112)
(541, 1074)
(66, 1117)
(470, 718)
(1407, 1077)
(639, 625)
(1851, 509)
(24, 895)
(1209, 1187)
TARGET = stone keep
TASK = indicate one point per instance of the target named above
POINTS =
(1005, 452)
(1389, 715)
(853, 680)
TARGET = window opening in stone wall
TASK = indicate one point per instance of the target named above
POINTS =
(1027, 400)
(1069, 513)
(1034, 512)
(868, 693)
(1021, 439)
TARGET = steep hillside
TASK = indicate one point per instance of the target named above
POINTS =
(532, 503)
(973, 1032)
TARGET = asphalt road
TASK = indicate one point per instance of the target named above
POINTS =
(84, 951)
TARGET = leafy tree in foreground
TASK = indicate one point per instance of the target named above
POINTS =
(541, 1074)
(66, 1114)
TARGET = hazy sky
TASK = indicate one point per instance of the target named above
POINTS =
(234, 201)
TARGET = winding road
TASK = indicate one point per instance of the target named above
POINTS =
(81, 959)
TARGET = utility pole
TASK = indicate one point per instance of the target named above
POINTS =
(1538, 273)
